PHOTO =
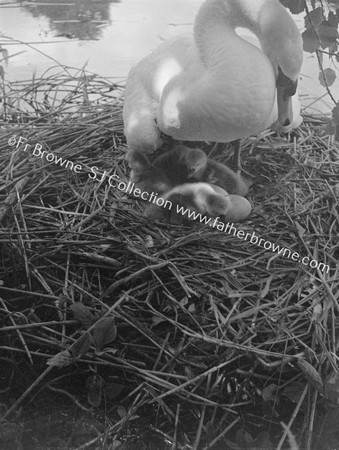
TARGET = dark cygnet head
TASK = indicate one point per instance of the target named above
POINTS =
(195, 160)
(145, 175)
(137, 161)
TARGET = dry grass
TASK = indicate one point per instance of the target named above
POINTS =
(218, 340)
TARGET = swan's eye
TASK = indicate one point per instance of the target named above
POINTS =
(290, 86)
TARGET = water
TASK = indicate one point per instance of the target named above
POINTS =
(109, 36)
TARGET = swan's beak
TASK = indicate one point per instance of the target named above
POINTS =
(285, 111)
(286, 88)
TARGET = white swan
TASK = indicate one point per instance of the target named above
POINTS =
(214, 85)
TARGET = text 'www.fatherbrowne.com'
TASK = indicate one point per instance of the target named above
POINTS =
(229, 228)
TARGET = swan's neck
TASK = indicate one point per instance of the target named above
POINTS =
(216, 21)
(232, 13)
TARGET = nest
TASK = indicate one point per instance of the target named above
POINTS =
(200, 337)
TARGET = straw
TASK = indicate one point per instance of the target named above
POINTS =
(206, 321)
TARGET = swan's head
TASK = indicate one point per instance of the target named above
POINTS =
(286, 89)
(282, 43)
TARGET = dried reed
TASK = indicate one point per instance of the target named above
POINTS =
(219, 335)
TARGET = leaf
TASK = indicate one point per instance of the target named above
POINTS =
(317, 312)
(20, 318)
(270, 393)
(80, 346)
(332, 388)
(311, 374)
(156, 320)
(315, 17)
(104, 332)
(191, 308)
(183, 301)
(61, 359)
(327, 33)
(83, 314)
(310, 40)
(149, 243)
(121, 411)
(2, 73)
(300, 228)
(243, 438)
(327, 77)
(95, 384)
(115, 445)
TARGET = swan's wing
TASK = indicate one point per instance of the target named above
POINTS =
(145, 84)
(232, 99)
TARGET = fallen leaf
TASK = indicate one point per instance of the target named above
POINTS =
(95, 385)
(311, 374)
(243, 438)
(317, 312)
(80, 346)
(156, 320)
(122, 412)
(104, 332)
(83, 314)
(191, 308)
(115, 445)
(269, 393)
(149, 241)
(61, 359)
